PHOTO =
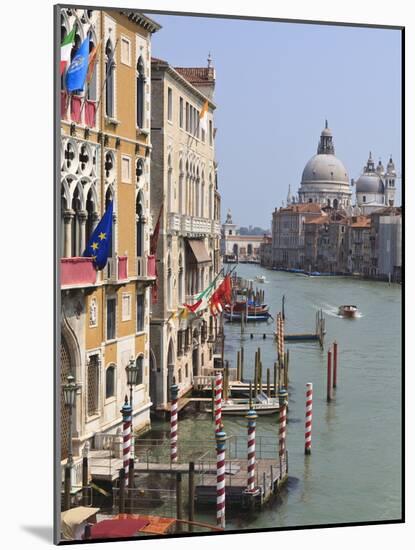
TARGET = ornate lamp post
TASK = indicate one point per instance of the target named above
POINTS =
(132, 377)
(69, 396)
(132, 371)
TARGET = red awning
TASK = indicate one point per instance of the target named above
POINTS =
(117, 528)
(199, 252)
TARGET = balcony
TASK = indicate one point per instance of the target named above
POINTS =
(146, 267)
(173, 222)
(77, 272)
(77, 109)
(216, 227)
(122, 268)
(116, 270)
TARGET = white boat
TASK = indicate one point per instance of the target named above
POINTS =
(263, 405)
(260, 278)
(348, 311)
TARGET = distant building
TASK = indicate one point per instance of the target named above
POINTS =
(375, 187)
(288, 232)
(265, 252)
(236, 247)
(325, 243)
(386, 239)
(359, 245)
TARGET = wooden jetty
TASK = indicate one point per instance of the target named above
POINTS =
(317, 336)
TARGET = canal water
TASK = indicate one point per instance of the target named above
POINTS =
(354, 471)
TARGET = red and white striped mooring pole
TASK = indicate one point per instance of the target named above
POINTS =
(174, 389)
(220, 478)
(126, 412)
(282, 421)
(218, 402)
(308, 417)
(251, 416)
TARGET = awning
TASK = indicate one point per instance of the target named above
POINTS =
(198, 251)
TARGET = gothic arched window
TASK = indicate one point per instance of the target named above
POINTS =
(140, 365)
(139, 216)
(140, 92)
(110, 382)
(109, 85)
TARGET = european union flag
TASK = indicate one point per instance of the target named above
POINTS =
(77, 70)
(98, 246)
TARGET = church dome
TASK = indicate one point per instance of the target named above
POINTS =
(369, 183)
(325, 168)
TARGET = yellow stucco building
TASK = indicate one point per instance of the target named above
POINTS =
(105, 156)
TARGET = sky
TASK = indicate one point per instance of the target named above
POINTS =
(276, 83)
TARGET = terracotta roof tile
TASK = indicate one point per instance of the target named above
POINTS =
(197, 75)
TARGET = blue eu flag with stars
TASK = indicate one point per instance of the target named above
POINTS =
(99, 244)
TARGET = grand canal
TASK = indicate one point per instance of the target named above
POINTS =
(354, 471)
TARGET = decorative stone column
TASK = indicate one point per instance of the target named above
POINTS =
(82, 217)
(68, 216)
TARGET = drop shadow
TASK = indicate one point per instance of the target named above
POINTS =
(42, 532)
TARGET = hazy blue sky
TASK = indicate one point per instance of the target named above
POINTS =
(275, 85)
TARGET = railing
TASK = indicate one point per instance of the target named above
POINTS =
(78, 109)
(216, 227)
(151, 265)
(201, 225)
(173, 222)
(186, 224)
(77, 271)
(108, 442)
(111, 270)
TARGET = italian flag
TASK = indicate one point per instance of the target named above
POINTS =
(66, 48)
(203, 116)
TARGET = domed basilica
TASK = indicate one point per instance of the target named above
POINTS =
(325, 181)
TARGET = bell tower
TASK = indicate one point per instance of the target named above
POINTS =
(390, 183)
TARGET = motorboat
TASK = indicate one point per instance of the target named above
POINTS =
(348, 311)
(260, 278)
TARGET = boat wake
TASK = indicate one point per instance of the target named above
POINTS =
(333, 311)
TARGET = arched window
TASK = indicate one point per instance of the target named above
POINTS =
(328, 203)
(235, 249)
(140, 92)
(109, 85)
(181, 281)
(110, 382)
(139, 225)
(169, 185)
(169, 284)
(335, 204)
(249, 249)
(202, 193)
(139, 169)
(93, 385)
(91, 216)
(140, 365)
(210, 197)
(182, 190)
(92, 86)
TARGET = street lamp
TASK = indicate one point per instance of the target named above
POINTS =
(69, 394)
(132, 377)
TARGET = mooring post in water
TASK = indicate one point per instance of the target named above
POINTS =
(250, 394)
(329, 375)
(275, 378)
(191, 503)
(238, 365)
(251, 417)
(335, 364)
(179, 512)
(213, 399)
(283, 307)
(85, 475)
(268, 383)
(121, 492)
(174, 390)
(242, 364)
(218, 402)
(282, 422)
(220, 478)
(308, 417)
(260, 377)
(130, 492)
(255, 374)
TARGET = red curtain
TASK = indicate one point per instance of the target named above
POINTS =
(76, 102)
(90, 111)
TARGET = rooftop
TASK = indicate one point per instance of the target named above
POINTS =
(197, 75)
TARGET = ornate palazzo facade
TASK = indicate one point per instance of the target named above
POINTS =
(184, 181)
